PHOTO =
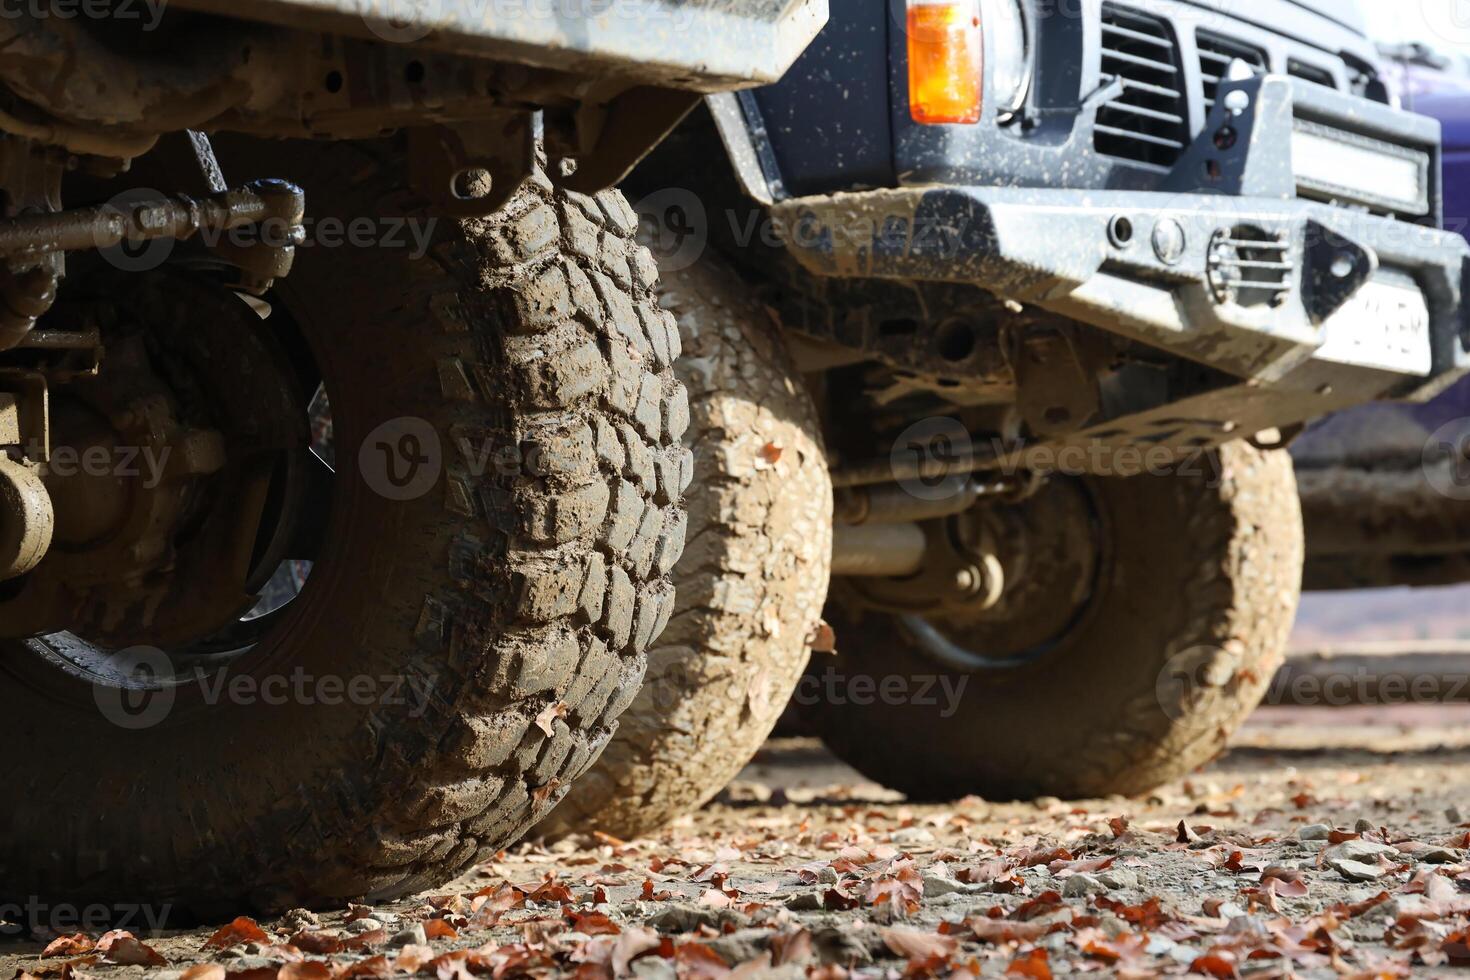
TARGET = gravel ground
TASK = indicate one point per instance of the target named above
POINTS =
(1323, 845)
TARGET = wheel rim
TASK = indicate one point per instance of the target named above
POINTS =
(1057, 557)
(283, 448)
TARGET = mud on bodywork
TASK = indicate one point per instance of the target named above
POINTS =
(1300, 307)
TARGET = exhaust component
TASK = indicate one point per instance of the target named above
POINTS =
(892, 504)
(878, 550)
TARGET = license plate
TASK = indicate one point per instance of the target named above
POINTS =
(1386, 326)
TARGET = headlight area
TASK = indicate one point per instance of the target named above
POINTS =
(948, 56)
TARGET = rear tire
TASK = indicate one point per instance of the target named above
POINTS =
(751, 584)
(508, 603)
(1187, 625)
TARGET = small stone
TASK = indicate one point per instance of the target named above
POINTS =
(1453, 815)
(1082, 885)
(255, 963)
(804, 902)
(1388, 910)
(936, 885)
(910, 836)
(412, 936)
(1046, 802)
(828, 875)
(1119, 878)
(359, 926)
(228, 954)
(1363, 826)
(835, 945)
(251, 949)
(1355, 870)
(1314, 831)
(958, 898)
(653, 968)
(1361, 850)
(1435, 854)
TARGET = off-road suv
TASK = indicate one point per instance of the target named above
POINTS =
(1062, 280)
(323, 585)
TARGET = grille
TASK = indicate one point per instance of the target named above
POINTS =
(1250, 266)
(1310, 73)
(1216, 54)
(1148, 123)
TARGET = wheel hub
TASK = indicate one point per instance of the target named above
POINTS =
(1002, 581)
(161, 469)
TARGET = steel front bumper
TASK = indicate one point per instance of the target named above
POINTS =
(1239, 274)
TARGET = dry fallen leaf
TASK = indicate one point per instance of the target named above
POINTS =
(696, 961)
(549, 715)
(542, 793)
(73, 945)
(1033, 963)
(413, 957)
(305, 970)
(243, 930)
(921, 946)
(823, 638)
(593, 924)
(204, 971)
(317, 942)
(633, 943)
(372, 968)
(122, 947)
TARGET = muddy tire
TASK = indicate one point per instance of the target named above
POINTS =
(1188, 621)
(500, 610)
(751, 583)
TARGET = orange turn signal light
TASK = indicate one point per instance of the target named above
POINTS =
(946, 61)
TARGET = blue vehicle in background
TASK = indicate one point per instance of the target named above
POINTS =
(1385, 487)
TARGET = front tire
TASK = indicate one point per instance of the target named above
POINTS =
(495, 619)
(1187, 621)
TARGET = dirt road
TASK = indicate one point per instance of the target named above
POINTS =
(1324, 844)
